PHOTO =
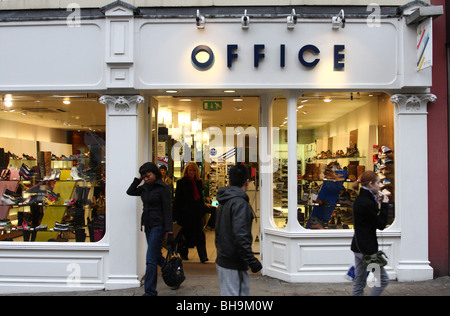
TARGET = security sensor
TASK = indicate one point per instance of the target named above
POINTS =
(338, 21)
(291, 20)
(201, 20)
(245, 20)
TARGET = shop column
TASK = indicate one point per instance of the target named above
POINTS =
(412, 189)
(122, 219)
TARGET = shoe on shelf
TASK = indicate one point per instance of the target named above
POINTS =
(74, 174)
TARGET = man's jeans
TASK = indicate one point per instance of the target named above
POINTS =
(155, 237)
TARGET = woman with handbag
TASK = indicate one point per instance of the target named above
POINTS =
(156, 219)
(188, 211)
(368, 216)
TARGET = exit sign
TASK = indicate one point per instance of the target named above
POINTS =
(212, 105)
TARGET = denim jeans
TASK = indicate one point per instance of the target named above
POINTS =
(360, 281)
(155, 237)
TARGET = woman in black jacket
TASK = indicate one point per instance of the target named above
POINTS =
(368, 216)
(156, 219)
(188, 211)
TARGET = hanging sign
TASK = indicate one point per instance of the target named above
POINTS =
(424, 45)
(212, 105)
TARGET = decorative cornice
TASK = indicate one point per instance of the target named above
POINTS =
(121, 105)
(412, 104)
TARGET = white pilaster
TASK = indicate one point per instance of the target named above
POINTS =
(122, 154)
(412, 189)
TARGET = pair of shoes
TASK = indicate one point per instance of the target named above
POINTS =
(25, 172)
(24, 226)
(55, 175)
(5, 174)
(61, 227)
(11, 198)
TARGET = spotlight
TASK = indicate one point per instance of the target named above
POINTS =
(200, 20)
(338, 21)
(245, 20)
(291, 20)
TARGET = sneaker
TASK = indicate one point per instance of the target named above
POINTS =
(61, 225)
(61, 229)
(41, 227)
(385, 149)
(8, 201)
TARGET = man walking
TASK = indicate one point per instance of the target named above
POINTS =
(233, 235)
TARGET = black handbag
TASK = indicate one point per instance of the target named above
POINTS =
(172, 269)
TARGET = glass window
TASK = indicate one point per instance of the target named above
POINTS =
(280, 174)
(340, 135)
(52, 161)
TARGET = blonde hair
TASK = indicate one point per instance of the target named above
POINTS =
(197, 170)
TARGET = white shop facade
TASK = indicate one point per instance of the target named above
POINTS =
(129, 61)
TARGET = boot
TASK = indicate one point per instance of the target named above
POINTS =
(322, 168)
(360, 170)
(315, 175)
(308, 171)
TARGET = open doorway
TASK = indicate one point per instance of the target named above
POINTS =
(215, 133)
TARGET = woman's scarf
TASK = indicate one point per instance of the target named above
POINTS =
(195, 189)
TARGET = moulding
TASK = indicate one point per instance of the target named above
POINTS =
(122, 105)
(412, 104)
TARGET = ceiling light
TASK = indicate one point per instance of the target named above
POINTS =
(171, 91)
(185, 100)
(300, 106)
(327, 100)
(8, 104)
(238, 100)
(230, 91)
(66, 102)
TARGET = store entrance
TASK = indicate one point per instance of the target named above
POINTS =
(215, 133)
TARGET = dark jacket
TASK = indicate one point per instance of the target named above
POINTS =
(157, 203)
(367, 217)
(189, 212)
(234, 230)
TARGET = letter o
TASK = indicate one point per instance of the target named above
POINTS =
(202, 65)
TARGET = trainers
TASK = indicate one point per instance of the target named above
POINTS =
(385, 149)
(41, 227)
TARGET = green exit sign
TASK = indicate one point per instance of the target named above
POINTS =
(212, 105)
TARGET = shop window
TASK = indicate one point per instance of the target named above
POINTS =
(340, 135)
(280, 161)
(52, 161)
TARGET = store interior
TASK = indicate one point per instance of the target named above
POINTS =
(53, 149)
(52, 159)
(339, 136)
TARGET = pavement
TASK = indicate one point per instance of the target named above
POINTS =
(202, 281)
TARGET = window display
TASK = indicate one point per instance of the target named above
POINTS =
(52, 183)
(340, 135)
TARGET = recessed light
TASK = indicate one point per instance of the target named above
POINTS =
(185, 100)
(238, 100)
(327, 100)
(230, 91)
(171, 91)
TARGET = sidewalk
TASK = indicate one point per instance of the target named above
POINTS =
(207, 284)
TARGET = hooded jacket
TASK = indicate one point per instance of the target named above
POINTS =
(233, 230)
(157, 204)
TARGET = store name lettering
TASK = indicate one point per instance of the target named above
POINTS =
(259, 56)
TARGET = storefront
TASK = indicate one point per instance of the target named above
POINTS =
(323, 93)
